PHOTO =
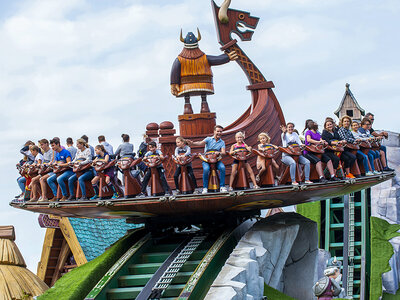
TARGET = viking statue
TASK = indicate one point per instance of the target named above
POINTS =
(328, 286)
(191, 73)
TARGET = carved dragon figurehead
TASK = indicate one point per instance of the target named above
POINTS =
(233, 21)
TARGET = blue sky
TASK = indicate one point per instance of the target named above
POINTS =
(88, 67)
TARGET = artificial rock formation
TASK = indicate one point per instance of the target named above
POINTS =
(16, 281)
(385, 204)
(281, 250)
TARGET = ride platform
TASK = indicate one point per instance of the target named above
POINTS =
(137, 210)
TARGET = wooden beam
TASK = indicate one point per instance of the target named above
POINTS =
(44, 260)
(72, 240)
(7, 232)
(261, 86)
(62, 258)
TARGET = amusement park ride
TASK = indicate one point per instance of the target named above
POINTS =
(263, 115)
(187, 208)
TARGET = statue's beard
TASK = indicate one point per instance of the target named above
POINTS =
(191, 53)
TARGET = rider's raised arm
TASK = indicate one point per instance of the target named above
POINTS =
(198, 143)
(283, 138)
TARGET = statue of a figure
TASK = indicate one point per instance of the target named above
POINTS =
(328, 287)
(191, 73)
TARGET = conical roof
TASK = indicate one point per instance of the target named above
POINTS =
(16, 281)
(9, 253)
(349, 94)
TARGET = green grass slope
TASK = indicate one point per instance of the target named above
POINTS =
(311, 211)
(381, 252)
(387, 296)
(273, 294)
(80, 281)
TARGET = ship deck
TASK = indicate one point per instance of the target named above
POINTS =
(195, 204)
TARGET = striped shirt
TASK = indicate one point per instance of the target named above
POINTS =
(345, 134)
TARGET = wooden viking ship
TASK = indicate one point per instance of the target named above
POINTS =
(263, 115)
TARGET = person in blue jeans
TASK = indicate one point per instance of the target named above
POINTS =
(364, 131)
(28, 158)
(358, 136)
(84, 157)
(213, 143)
(382, 134)
(62, 159)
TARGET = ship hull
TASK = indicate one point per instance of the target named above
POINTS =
(184, 205)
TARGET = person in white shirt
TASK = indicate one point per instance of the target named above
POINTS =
(34, 184)
(85, 137)
(28, 157)
(48, 156)
(83, 156)
(35, 150)
(289, 137)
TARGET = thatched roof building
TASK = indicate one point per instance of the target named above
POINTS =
(16, 281)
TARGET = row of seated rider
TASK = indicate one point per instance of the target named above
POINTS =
(126, 149)
(214, 143)
(63, 156)
(350, 132)
(333, 135)
(34, 155)
(48, 157)
(217, 145)
(288, 136)
(84, 156)
(291, 138)
(63, 159)
(361, 131)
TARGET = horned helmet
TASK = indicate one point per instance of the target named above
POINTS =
(333, 265)
(191, 41)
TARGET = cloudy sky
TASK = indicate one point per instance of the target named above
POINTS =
(102, 67)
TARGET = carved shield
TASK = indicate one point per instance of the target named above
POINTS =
(320, 286)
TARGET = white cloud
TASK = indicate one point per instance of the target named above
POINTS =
(283, 34)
